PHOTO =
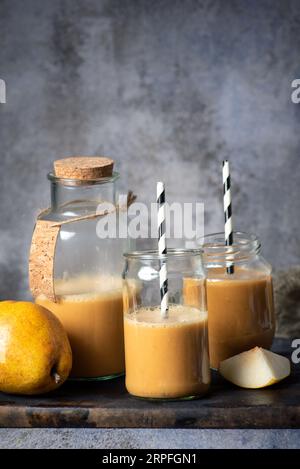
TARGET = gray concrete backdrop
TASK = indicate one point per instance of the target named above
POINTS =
(167, 88)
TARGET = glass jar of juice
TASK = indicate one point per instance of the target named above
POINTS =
(166, 356)
(75, 271)
(240, 304)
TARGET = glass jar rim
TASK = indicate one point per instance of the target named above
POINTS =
(240, 238)
(244, 245)
(82, 182)
(153, 254)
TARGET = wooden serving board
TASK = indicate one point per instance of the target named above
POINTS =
(107, 405)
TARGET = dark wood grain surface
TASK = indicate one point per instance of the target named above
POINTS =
(107, 404)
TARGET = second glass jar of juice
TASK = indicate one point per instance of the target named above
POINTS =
(240, 304)
(86, 268)
(166, 356)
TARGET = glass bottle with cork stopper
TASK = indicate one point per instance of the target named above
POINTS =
(75, 272)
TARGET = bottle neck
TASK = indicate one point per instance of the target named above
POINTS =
(69, 194)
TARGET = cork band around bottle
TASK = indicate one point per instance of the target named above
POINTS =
(41, 259)
(43, 246)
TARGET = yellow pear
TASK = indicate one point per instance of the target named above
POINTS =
(255, 368)
(35, 353)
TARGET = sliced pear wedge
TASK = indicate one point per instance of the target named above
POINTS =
(255, 368)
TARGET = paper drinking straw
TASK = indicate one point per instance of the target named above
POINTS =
(227, 209)
(162, 249)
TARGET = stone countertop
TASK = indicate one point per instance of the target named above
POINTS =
(148, 438)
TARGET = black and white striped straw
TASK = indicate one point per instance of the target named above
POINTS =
(227, 209)
(162, 249)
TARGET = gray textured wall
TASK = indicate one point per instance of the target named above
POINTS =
(165, 87)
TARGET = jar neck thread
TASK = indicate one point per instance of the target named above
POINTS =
(245, 246)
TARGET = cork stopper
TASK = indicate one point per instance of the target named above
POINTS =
(84, 167)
